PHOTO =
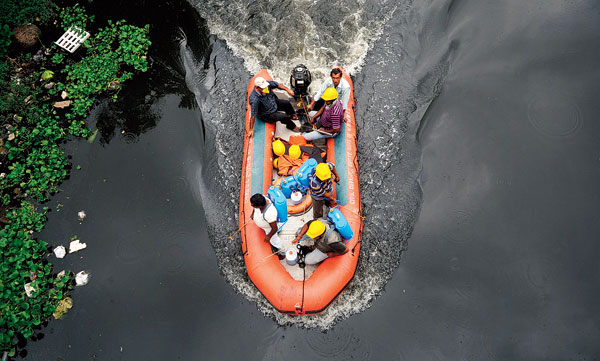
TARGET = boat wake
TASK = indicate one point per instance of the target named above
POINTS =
(280, 34)
(392, 95)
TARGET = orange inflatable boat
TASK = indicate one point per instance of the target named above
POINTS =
(294, 289)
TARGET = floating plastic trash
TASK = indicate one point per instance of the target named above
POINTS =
(76, 245)
(82, 278)
(81, 215)
(60, 252)
(72, 39)
(29, 289)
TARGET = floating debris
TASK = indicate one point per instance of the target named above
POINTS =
(63, 104)
(60, 251)
(47, 75)
(62, 307)
(76, 245)
(81, 215)
(93, 136)
(29, 289)
(82, 278)
(72, 39)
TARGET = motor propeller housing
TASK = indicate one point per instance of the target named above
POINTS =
(300, 80)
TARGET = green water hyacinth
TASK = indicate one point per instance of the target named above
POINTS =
(34, 164)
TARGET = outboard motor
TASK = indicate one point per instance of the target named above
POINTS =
(300, 80)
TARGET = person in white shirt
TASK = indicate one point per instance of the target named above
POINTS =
(265, 216)
(335, 81)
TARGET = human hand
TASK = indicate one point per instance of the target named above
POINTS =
(290, 92)
(309, 107)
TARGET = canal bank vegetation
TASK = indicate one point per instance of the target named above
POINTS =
(47, 93)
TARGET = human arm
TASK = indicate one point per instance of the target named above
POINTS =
(326, 84)
(283, 87)
(331, 198)
(302, 233)
(336, 177)
(272, 232)
(254, 104)
(319, 113)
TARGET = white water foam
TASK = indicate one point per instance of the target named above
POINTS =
(279, 35)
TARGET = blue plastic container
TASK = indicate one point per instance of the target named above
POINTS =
(276, 196)
(307, 168)
(288, 186)
(340, 222)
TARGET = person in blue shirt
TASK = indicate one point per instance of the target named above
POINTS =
(266, 106)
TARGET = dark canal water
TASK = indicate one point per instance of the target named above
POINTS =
(480, 164)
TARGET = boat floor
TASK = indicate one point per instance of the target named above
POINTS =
(295, 222)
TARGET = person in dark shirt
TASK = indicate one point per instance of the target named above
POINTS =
(266, 106)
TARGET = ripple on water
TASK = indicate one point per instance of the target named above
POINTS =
(537, 271)
(459, 229)
(338, 344)
(175, 255)
(554, 118)
(129, 137)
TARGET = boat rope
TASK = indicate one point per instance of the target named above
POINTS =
(303, 283)
(306, 112)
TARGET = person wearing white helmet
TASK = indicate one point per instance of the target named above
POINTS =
(266, 106)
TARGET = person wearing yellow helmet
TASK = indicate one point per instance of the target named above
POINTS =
(321, 187)
(267, 107)
(328, 119)
(328, 242)
(335, 81)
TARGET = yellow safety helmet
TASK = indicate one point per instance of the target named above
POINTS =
(315, 229)
(275, 162)
(278, 147)
(323, 172)
(295, 152)
(329, 94)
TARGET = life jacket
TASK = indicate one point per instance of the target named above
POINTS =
(287, 166)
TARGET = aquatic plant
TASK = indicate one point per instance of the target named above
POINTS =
(43, 104)
(20, 12)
